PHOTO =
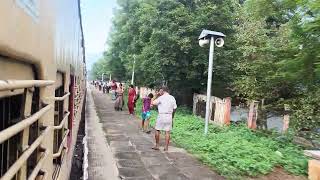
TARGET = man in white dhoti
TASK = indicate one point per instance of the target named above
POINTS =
(166, 108)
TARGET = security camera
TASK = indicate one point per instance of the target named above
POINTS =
(219, 42)
(203, 42)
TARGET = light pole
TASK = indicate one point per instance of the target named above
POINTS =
(134, 62)
(102, 77)
(215, 38)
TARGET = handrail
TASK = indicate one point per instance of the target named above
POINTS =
(64, 120)
(38, 167)
(24, 157)
(55, 155)
(19, 84)
(62, 98)
(15, 129)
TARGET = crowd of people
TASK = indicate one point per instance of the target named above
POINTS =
(116, 89)
(166, 106)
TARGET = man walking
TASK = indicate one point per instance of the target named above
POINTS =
(166, 109)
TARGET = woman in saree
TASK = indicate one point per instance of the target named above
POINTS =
(118, 104)
(131, 99)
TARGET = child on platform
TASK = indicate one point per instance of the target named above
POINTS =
(146, 113)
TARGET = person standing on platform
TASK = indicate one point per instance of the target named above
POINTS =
(146, 113)
(109, 86)
(113, 90)
(131, 99)
(119, 101)
(166, 109)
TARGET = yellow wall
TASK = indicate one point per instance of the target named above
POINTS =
(52, 40)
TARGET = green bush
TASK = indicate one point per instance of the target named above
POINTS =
(235, 150)
(306, 112)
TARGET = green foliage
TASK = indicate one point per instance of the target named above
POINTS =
(99, 68)
(279, 57)
(236, 150)
(306, 112)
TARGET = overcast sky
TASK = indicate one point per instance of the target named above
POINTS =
(97, 22)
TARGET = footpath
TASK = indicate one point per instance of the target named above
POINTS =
(117, 149)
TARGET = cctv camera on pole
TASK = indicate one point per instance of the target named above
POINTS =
(214, 38)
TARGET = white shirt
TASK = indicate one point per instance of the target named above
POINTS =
(166, 104)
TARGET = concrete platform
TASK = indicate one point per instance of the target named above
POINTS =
(119, 150)
(101, 164)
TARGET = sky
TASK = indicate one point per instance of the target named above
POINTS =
(97, 21)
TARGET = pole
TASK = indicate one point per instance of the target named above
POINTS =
(102, 77)
(132, 77)
(110, 77)
(209, 85)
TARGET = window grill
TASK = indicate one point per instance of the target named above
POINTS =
(58, 116)
(19, 134)
(10, 115)
(61, 131)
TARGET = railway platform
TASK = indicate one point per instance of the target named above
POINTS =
(117, 149)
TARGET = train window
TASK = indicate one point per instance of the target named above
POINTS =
(11, 113)
(58, 117)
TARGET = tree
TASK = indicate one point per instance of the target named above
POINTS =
(278, 56)
(99, 68)
(162, 35)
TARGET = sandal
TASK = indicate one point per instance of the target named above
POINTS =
(155, 148)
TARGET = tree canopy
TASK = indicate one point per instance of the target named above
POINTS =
(271, 52)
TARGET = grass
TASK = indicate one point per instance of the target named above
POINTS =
(234, 151)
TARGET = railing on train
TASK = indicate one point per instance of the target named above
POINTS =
(23, 126)
(62, 124)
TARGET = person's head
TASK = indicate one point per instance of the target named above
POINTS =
(131, 86)
(150, 95)
(163, 89)
(120, 84)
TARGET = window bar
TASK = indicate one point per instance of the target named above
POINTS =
(64, 120)
(25, 135)
(21, 84)
(62, 98)
(12, 171)
(39, 165)
(13, 130)
(58, 154)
